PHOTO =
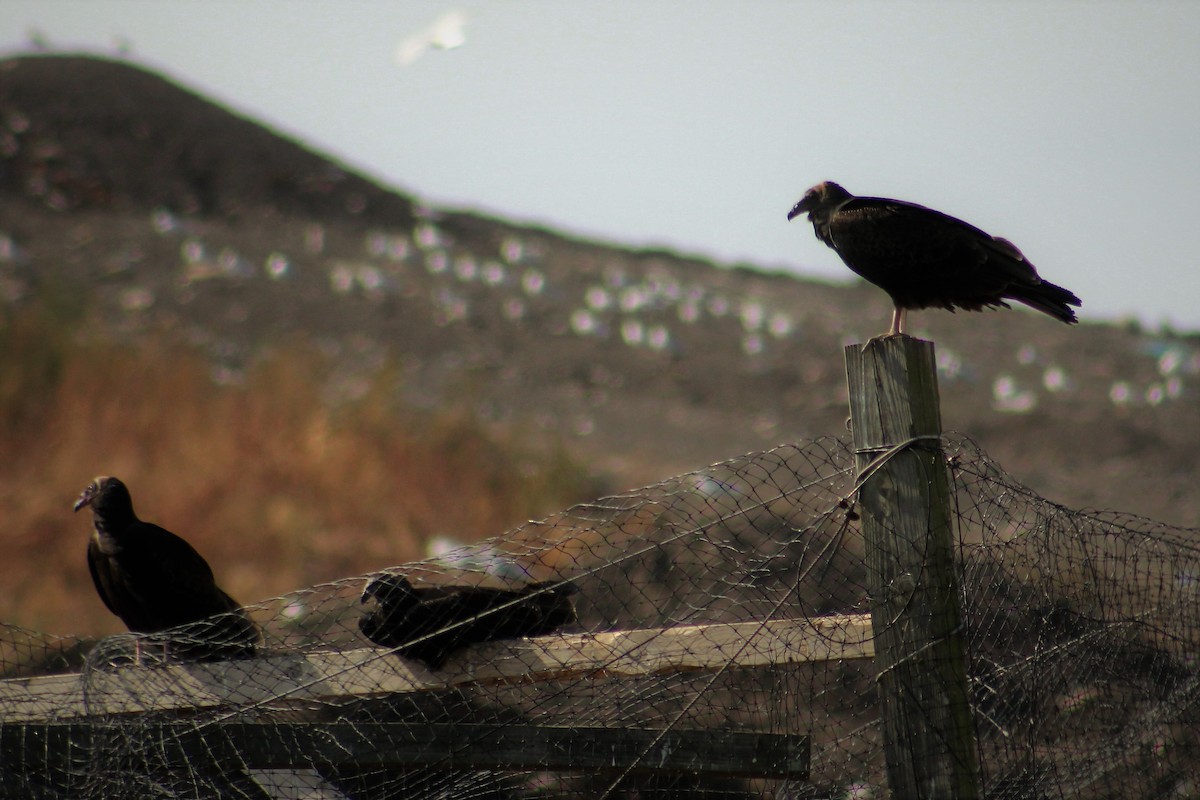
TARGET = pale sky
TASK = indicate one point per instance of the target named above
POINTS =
(1071, 128)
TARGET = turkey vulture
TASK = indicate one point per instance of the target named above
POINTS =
(924, 258)
(429, 624)
(153, 580)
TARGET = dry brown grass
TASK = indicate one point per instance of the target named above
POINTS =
(277, 489)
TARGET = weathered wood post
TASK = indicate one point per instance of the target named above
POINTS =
(904, 501)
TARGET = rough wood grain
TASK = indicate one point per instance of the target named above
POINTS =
(905, 504)
(333, 747)
(277, 681)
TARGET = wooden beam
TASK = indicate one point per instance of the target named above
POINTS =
(904, 499)
(303, 677)
(367, 746)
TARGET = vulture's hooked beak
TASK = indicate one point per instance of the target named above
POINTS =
(89, 494)
(804, 205)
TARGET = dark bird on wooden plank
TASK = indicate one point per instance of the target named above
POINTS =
(926, 259)
(430, 624)
(155, 581)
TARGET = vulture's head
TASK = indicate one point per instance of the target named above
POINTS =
(820, 201)
(108, 498)
(392, 592)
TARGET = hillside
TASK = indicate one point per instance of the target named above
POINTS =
(165, 215)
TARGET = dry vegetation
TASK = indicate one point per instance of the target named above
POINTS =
(277, 488)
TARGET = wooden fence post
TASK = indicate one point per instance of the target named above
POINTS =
(904, 501)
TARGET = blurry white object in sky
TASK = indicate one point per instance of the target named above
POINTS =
(445, 33)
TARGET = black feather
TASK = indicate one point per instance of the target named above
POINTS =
(926, 259)
(155, 581)
(430, 624)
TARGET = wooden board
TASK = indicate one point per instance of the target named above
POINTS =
(332, 748)
(275, 681)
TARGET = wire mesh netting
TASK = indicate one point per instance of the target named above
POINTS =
(707, 636)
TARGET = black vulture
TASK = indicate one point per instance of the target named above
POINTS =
(924, 258)
(153, 580)
(429, 624)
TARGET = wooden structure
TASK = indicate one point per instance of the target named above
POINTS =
(913, 632)
(904, 498)
(49, 719)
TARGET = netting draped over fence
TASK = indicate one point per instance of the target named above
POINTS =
(721, 649)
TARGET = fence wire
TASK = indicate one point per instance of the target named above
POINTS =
(705, 637)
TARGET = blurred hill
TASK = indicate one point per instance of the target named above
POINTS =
(134, 213)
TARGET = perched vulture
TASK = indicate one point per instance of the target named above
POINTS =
(924, 258)
(429, 624)
(153, 580)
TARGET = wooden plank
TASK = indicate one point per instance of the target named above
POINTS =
(330, 747)
(904, 498)
(303, 677)
(59, 760)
